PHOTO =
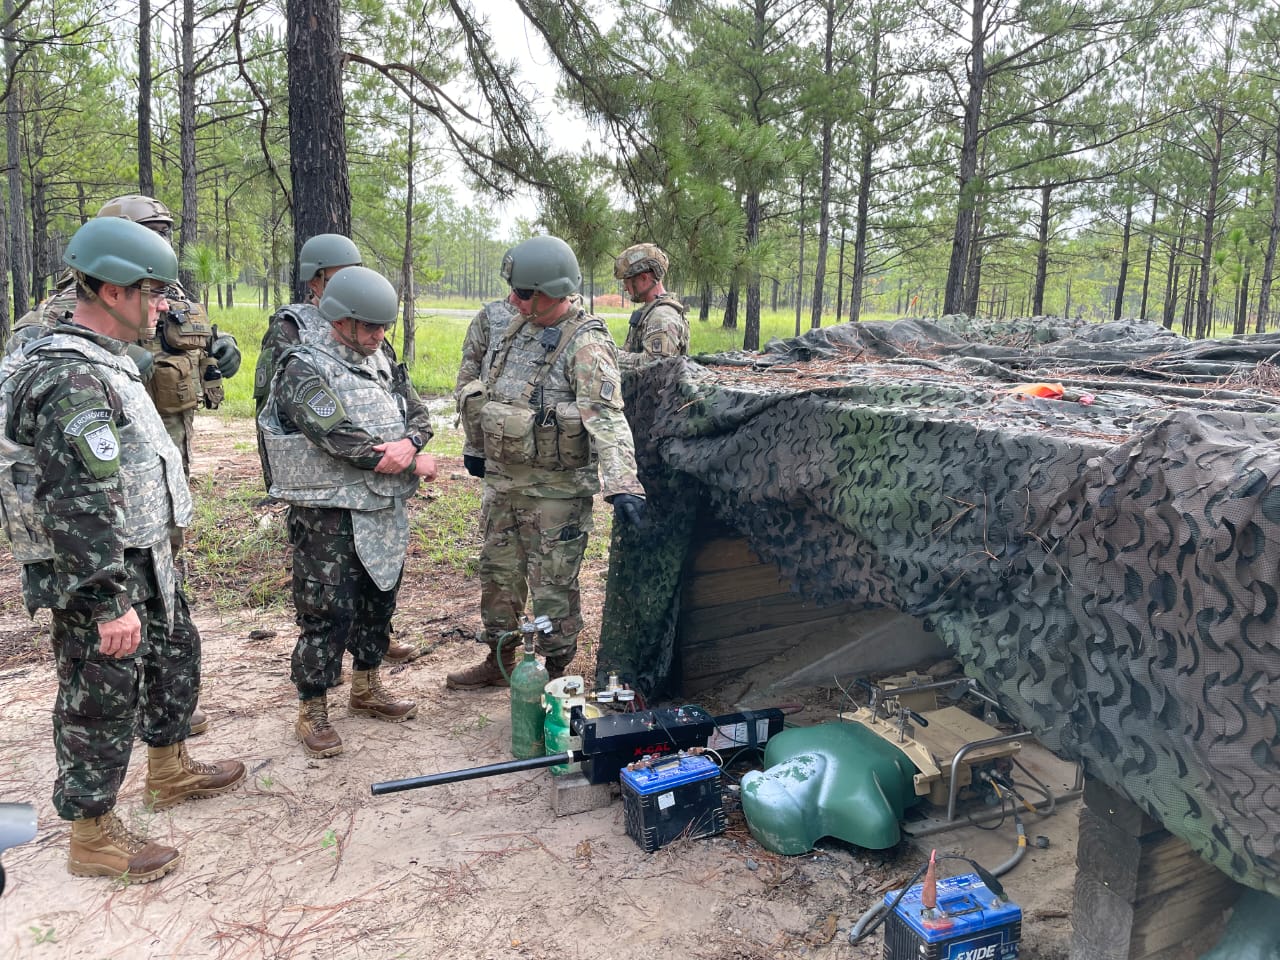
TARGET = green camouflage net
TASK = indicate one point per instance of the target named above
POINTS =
(1105, 563)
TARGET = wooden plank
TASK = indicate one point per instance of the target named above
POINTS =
(1180, 914)
(722, 553)
(705, 659)
(710, 624)
(732, 586)
(1122, 811)
(1106, 934)
(1106, 853)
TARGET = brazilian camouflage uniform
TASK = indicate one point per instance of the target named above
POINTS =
(657, 329)
(180, 348)
(347, 560)
(106, 487)
(539, 514)
(288, 326)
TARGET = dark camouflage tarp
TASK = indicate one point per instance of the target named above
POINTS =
(1108, 569)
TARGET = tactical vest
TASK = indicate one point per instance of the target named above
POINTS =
(530, 414)
(304, 475)
(152, 481)
(635, 328)
(473, 396)
(312, 328)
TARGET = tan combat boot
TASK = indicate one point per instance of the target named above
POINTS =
(398, 652)
(369, 698)
(172, 776)
(485, 673)
(199, 721)
(105, 847)
(319, 739)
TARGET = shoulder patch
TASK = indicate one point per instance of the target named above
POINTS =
(93, 435)
(323, 403)
(607, 389)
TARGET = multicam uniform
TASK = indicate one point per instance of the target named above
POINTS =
(484, 336)
(327, 409)
(554, 436)
(657, 329)
(92, 488)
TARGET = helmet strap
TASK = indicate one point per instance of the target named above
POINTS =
(139, 327)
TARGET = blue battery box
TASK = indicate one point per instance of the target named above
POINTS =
(677, 796)
(970, 924)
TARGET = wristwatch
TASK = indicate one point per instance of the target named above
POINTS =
(417, 441)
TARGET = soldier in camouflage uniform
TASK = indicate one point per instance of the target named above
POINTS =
(658, 327)
(344, 430)
(183, 363)
(320, 258)
(549, 409)
(484, 335)
(93, 488)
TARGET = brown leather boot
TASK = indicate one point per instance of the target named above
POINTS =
(369, 698)
(398, 652)
(485, 673)
(319, 739)
(199, 721)
(172, 776)
(105, 847)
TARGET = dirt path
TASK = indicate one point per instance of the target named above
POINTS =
(303, 863)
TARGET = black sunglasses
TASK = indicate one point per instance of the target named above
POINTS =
(523, 294)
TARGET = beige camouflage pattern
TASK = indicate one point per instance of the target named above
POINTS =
(316, 389)
(586, 377)
(484, 336)
(658, 329)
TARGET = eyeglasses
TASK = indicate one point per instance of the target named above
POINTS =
(153, 293)
(523, 294)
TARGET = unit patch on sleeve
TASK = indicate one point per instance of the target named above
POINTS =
(324, 405)
(92, 434)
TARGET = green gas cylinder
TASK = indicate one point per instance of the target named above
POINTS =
(559, 698)
(527, 718)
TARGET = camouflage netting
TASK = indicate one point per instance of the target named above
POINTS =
(1107, 568)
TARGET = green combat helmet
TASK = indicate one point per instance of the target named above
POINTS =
(122, 252)
(641, 258)
(362, 294)
(542, 263)
(326, 250)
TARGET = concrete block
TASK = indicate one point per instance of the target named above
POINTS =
(573, 793)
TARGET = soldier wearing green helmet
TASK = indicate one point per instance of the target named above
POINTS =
(343, 430)
(546, 407)
(93, 487)
(658, 326)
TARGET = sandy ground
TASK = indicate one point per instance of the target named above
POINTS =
(302, 862)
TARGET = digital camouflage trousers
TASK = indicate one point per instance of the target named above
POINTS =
(338, 606)
(102, 701)
(533, 548)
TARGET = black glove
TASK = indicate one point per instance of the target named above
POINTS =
(144, 358)
(474, 465)
(225, 352)
(629, 508)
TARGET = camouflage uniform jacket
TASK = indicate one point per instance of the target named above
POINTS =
(484, 336)
(328, 407)
(108, 481)
(658, 329)
(586, 375)
(289, 326)
(180, 347)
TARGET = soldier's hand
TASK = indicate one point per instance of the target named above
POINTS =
(143, 358)
(474, 465)
(397, 456)
(424, 466)
(120, 637)
(225, 352)
(628, 508)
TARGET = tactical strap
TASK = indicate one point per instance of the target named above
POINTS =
(569, 332)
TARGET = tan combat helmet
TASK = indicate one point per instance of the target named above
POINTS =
(148, 211)
(641, 258)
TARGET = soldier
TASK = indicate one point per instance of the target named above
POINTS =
(658, 328)
(550, 411)
(94, 488)
(320, 258)
(484, 335)
(183, 363)
(344, 431)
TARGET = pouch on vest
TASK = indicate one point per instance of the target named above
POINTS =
(211, 383)
(470, 402)
(508, 433)
(185, 327)
(572, 440)
(546, 453)
(173, 385)
(24, 531)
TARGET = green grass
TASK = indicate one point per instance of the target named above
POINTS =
(236, 556)
(445, 527)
